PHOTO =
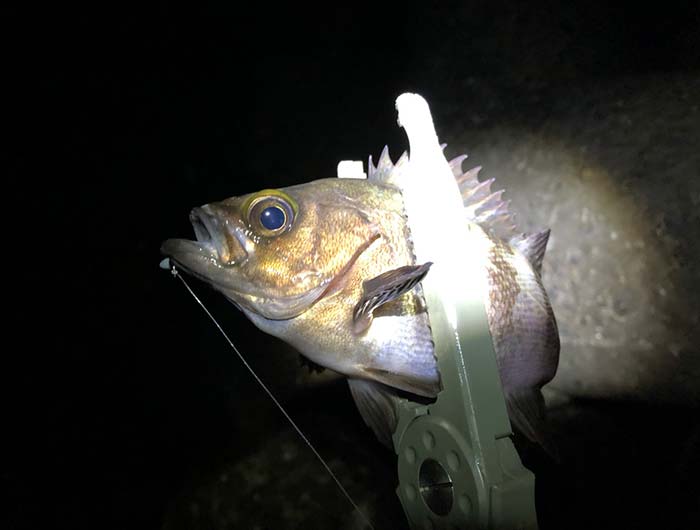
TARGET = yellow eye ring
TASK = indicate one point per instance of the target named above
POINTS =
(270, 212)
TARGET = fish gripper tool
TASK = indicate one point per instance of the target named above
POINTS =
(457, 465)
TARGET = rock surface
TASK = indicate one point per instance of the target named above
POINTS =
(614, 170)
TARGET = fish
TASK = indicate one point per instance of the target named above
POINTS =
(328, 266)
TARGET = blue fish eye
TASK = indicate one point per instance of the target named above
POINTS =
(273, 218)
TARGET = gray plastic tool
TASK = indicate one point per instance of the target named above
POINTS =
(457, 465)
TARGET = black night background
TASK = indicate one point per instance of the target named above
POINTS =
(125, 409)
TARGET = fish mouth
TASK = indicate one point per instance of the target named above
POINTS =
(213, 251)
(229, 245)
(207, 232)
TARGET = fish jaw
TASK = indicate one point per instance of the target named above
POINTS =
(196, 258)
(213, 256)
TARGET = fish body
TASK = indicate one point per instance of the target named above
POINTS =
(328, 266)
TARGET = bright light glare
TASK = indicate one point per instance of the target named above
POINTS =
(435, 213)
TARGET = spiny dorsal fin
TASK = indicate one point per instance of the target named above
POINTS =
(532, 246)
(456, 165)
(386, 171)
(481, 205)
(384, 288)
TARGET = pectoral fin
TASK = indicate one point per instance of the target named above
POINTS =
(385, 288)
(377, 405)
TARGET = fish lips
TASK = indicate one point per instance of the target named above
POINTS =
(213, 255)
(198, 259)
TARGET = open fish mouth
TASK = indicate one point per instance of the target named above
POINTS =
(207, 230)
(210, 255)
(213, 240)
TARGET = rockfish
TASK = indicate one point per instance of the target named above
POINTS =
(328, 267)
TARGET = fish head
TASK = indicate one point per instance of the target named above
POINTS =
(277, 252)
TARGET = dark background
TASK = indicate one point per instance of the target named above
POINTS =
(124, 408)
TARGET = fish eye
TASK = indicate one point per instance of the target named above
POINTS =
(273, 218)
(270, 212)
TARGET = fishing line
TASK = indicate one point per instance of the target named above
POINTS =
(175, 273)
